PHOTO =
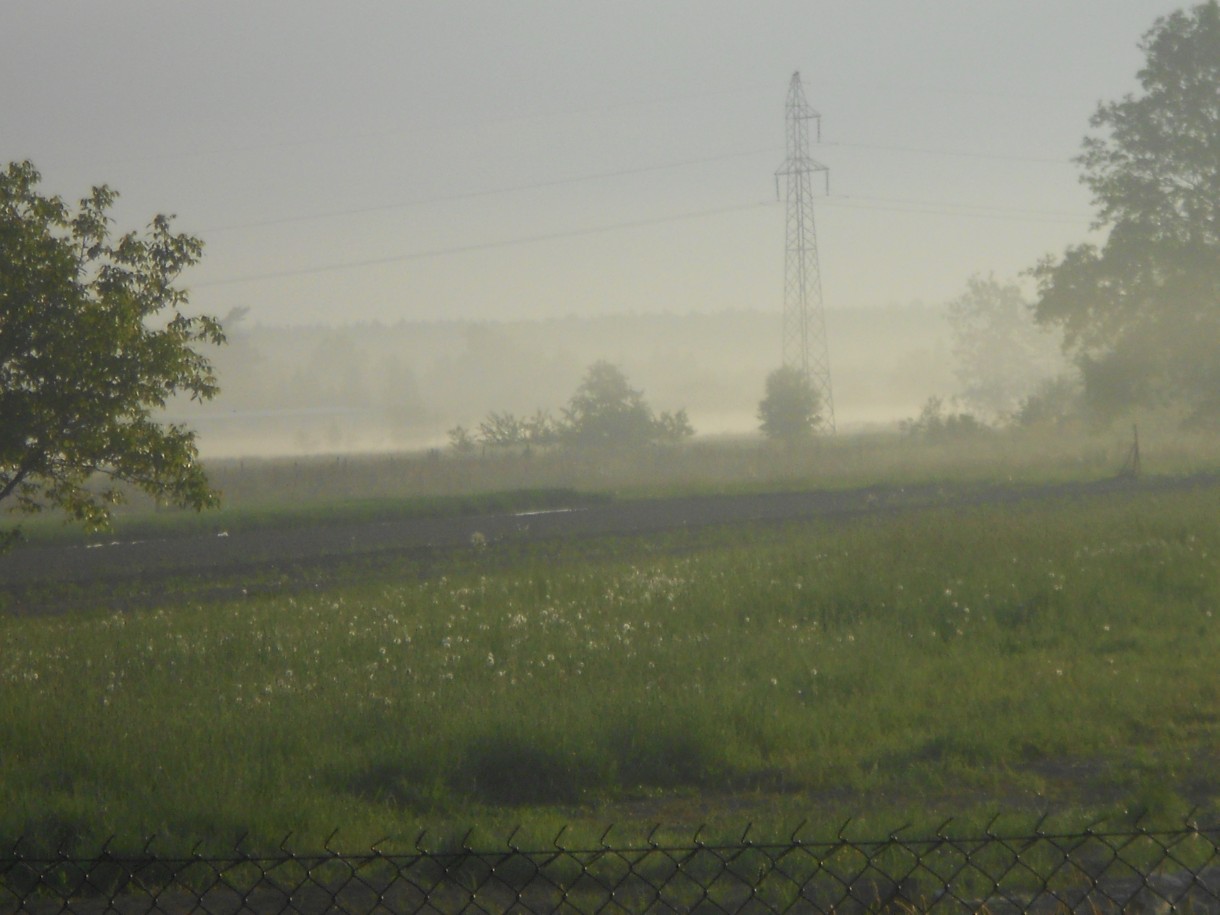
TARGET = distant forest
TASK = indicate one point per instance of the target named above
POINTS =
(397, 386)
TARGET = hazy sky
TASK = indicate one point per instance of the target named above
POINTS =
(423, 160)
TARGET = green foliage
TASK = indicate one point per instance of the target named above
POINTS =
(1140, 313)
(935, 424)
(93, 339)
(501, 430)
(791, 409)
(673, 427)
(1000, 353)
(540, 429)
(1053, 403)
(460, 440)
(504, 430)
(606, 412)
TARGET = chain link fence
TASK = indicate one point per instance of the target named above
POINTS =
(1096, 871)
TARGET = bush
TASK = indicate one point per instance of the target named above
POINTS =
(935, 424)
(792, 409)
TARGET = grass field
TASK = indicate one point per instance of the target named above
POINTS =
(259, 493)
(1006, 659)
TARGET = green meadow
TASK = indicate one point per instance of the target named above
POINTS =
(273, 492)
(1047, 656)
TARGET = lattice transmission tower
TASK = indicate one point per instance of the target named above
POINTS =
(805, 346)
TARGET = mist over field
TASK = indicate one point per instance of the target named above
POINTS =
(453, 221)
(554, 512)
(401, 386)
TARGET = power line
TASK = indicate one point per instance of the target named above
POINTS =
(948, 208)
(758, 88)
(959, 154)
(469, 195)
(595, 176)
(483, 246)
(878, 204)
(327, 139)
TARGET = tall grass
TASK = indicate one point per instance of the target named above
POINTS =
(1053, 655)
(707, 464)
(266, 492)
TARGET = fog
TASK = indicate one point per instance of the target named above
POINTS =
(373, 387)
(432, 211)
(489, 161)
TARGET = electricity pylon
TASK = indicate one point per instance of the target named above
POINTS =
(805, 346)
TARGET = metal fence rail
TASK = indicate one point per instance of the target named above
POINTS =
(1134, 870)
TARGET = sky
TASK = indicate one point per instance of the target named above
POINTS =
(495, 160)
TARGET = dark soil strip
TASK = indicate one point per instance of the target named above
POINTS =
(123, 575)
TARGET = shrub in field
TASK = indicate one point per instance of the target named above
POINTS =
(791, 410)
(936, 425)
(606, 412)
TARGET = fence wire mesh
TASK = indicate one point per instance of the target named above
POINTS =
(1136, 870)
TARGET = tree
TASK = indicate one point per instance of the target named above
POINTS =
(606, 411)
(501, 430)
(93, 339)
(1000, 353)
(791, 408)
(540, 429)
(673, 427)
(460, 440)
(1054, 402)
(1141, 313)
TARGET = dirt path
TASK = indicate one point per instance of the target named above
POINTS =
(28, 572)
